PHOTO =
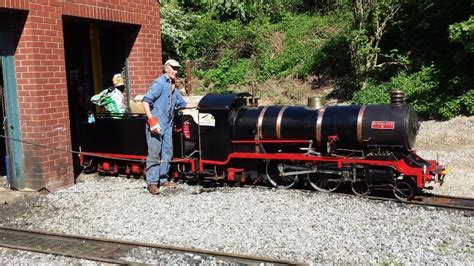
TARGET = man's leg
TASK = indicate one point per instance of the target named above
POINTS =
(166, 154)
(153, 158)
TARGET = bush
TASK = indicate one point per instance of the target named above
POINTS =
(228, 71)
(262, 50)
(449, 108)
(421, 91)
(292, 45)
(372, 94)
(463, 32)
(175, 24)
(209, 39)
(467, 102)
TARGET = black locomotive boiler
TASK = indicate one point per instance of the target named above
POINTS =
(231, 138)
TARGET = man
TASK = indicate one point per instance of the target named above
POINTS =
(112, 98)
(159, 103)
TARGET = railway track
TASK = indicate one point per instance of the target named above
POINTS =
(431, 200)
(426, 199)
(444, 201)
(117, 252)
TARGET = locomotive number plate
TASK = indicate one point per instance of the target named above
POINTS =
(383, 125)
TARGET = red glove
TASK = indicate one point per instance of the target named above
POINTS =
(154, 125)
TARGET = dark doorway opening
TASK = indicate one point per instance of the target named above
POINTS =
(94, 52)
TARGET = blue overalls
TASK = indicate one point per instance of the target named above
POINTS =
(160, 146)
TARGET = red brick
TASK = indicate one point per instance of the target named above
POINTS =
(41, 77)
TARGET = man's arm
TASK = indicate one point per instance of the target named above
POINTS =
(146, 107)
(181, 103)
(152, 121)
(191, 105)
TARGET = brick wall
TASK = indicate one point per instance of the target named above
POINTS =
(42, 97)
(14, 4)
(41, 76)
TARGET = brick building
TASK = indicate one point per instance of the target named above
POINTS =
(55, 54)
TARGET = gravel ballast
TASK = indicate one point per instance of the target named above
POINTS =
(286, 224)
(453, 143)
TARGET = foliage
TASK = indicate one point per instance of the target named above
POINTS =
(463, 32)
(175, 24)
(373, 94)
(209, 39)
(421, 91)
(243, 11)
(370, 21)
(228, 71)
(360, 48)
(419, 88)
(467, 101)
(292, 46)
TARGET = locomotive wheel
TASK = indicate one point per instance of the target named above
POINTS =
(273, 169)
(324, 183)
(403, 191)
(361, 188)
(89, 169)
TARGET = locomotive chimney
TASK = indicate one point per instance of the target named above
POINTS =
(397, 97)
(316, 102)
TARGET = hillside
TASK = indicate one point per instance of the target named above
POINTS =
(352, 51)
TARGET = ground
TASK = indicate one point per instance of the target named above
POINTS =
(453, 143)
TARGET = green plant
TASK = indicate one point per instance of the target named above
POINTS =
(228, 71)
(291, 46)
(370, 22)
(467, 101)
(209, 40)
(463, 32)
(373, 94)
(420, 91)
(423, 47)
(175, 25)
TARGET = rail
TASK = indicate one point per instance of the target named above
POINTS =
(440, 201)
(452, 202)
(114, 251)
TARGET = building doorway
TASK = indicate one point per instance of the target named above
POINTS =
(94, 52)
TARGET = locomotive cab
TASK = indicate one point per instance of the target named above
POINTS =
(215, 138)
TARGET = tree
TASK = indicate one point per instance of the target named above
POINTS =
(175, 25)
(370, 20)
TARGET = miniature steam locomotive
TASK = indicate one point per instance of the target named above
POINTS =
(230, 138)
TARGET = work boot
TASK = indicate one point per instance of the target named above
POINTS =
(153, 189)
